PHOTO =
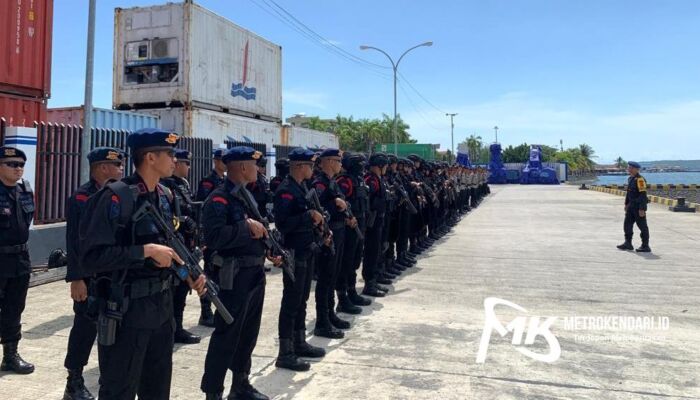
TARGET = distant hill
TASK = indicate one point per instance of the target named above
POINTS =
(687, 164)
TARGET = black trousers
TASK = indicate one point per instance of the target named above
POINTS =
(179, 300)
(139, 362)
(347, 263)
(81, 338)
(404, 226)
(632, 217)
(373, 243)
(295, 295)
(13, 297)
(329, 266)
(231, 346)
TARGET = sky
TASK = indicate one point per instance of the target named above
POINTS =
(622, 76)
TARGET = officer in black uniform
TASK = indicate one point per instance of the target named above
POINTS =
(106, 164)
(16, 214)
(356, 193)
(186, 212)
(134, 279)
(260, 189)
(238, 251)
(328, 324)
(282, 170)
(405, 216)
(636, 209)
(300, 226)
(206, 186)
(375, 224)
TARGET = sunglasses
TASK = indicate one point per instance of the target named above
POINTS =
(14, 164)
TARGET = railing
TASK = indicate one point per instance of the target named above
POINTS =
(261, 147)
(282, 151)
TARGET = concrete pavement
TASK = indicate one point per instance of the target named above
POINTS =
(550, 250)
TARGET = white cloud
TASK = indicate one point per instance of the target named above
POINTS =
(669, 131)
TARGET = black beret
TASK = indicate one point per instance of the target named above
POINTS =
(241, 153)
(152, 138)
(183, 155)
(634, 164)
(331, 153)
(105, 154)
(218, 153)
(392, 159)
(282, 163)
(262, 161)
(300, 154)
(12, 152)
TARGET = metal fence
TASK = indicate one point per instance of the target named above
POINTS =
(58, 163)
(3, 125)
(57, 169)
(282, 151)
(261, 147)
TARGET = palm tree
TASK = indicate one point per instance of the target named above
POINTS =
(474, 144)
(587, 153)
(620, 163)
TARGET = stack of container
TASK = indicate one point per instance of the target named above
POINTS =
(200, 73)
(25, 60)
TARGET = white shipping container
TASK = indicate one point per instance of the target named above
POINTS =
(183, 54)
(304, 137)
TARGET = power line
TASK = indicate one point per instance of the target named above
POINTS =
(288, 19)
(421, 114)
(403, 78)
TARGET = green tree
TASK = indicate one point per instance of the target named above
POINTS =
(620, 163)
(316, 123)
(517, 154)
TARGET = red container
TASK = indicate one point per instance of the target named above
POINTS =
(25, 47)
(22, 111)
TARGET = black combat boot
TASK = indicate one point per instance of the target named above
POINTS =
(75, 388)
(186, 337)
(644, 248)
(214, 396)
(241, 389)
(325, 329)
(358, 300)
(11, 360)
(345, 304)
(304, 349)
(336, 321)
(287, 359)
(382, 279)
(206, 318)
(372, 289)
(625, 246)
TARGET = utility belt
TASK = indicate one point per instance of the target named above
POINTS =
(113, 308)
(228, 267)
(15, 249)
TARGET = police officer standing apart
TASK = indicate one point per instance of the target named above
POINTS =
(106, 164)
(136, 324)
(238, 251)
(298, 223)
(186, 213)
(16, 214)
(636, 209)
(206, 186)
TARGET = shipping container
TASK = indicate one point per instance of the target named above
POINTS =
(217, 126)
(304, 137)
(22, 111)
(25, 47)
(181, 54)
(103, 118)
(426, 151)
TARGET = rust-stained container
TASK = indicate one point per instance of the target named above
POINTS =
(25, 47)
(22, 111)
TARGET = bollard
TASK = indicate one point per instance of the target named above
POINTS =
(681, 206)
(583, 187)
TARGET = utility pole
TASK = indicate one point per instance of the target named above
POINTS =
(495, 128)
(87, 108)
(452, 134)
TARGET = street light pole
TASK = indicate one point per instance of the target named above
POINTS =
(395, 66)
(452, 133)
(87, 118)
(495, 128)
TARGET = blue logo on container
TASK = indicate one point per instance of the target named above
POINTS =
(240, 89)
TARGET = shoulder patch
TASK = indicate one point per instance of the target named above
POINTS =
(219, 199)
(115, 207)
(641, 185)
(82, 197)
(207, 184)
(287, 196)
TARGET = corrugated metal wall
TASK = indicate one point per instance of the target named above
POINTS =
(103, 118)
(58, 163)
